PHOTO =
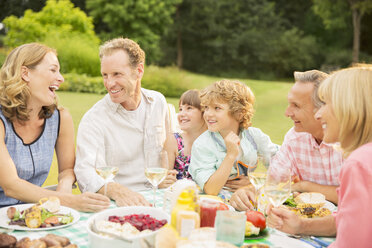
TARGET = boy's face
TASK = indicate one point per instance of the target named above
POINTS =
(219, 119)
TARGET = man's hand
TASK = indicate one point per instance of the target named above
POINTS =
(284, 220)
(235, 184)
(243, 198)
(124, 196)
(169, 179)
(90, 202)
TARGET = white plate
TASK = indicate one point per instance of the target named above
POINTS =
(215, 200)
(332, 207)
(4, 220)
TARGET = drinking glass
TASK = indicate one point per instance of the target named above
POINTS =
(230, 227)
(278, 185)
(104, 165)
(156, 169)
(258, 178)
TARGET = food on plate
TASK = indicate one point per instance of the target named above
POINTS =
(129, 226)
(256, 218)
(139, 221)
(49, 240)
(313, 198)
(250, 229)
(38, 216)
(308, 205)
(254, 246)
(52, 204)
(7, 240)
(57, 240)
(33, 217)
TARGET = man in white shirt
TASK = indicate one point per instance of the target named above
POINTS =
(121, 129)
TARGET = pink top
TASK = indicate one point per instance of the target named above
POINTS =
(318, 163)
(354, 216)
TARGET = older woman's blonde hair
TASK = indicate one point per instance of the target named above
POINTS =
(350, 93)
(14, 91)
(237, 95)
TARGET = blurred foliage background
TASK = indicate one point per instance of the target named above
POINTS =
(262, 39)
(192, 43)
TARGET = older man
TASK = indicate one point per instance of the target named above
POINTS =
(121, 129)
(315, 165)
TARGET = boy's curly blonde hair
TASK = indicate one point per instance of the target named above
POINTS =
(237, 95)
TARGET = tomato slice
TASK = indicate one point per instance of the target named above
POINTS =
(256, 218)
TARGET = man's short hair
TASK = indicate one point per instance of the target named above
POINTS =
(315, 77)
(134, 51)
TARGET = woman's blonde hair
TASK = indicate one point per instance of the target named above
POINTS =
(237, 95)
(350, 93)
(14, 91)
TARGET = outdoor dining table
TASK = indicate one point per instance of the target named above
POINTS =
(77, 233)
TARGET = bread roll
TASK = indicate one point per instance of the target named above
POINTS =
(310, 198)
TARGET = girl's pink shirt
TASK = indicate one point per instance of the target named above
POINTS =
(354, 216)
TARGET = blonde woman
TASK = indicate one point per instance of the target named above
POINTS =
(346, 118)
(32, 127)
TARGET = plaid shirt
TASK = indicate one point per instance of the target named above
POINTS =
(318, 163)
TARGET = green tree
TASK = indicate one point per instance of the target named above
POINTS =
(142, 20)
(57, 18)
(336, 13)
(238, 38)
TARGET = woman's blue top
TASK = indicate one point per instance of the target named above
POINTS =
(33, 160)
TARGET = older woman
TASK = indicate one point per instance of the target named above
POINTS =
(32, 127)
(346, 118)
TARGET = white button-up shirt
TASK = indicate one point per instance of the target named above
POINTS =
(110, 135)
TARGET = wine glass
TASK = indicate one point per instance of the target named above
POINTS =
(258, 178)
(278, 185)
(156, 169)
(104, 165)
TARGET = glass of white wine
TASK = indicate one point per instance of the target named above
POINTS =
(258, 178)
(278, 185)
(156, 169)
(105, 166)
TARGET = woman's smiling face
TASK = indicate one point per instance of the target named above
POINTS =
(330, 124)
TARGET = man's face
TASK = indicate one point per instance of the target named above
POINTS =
(120, 79)
(301, 109)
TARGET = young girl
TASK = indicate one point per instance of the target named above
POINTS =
(192, 124)
(228, 109)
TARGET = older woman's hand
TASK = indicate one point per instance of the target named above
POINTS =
(242, 199)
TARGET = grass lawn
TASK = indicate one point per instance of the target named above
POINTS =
(269, 117)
